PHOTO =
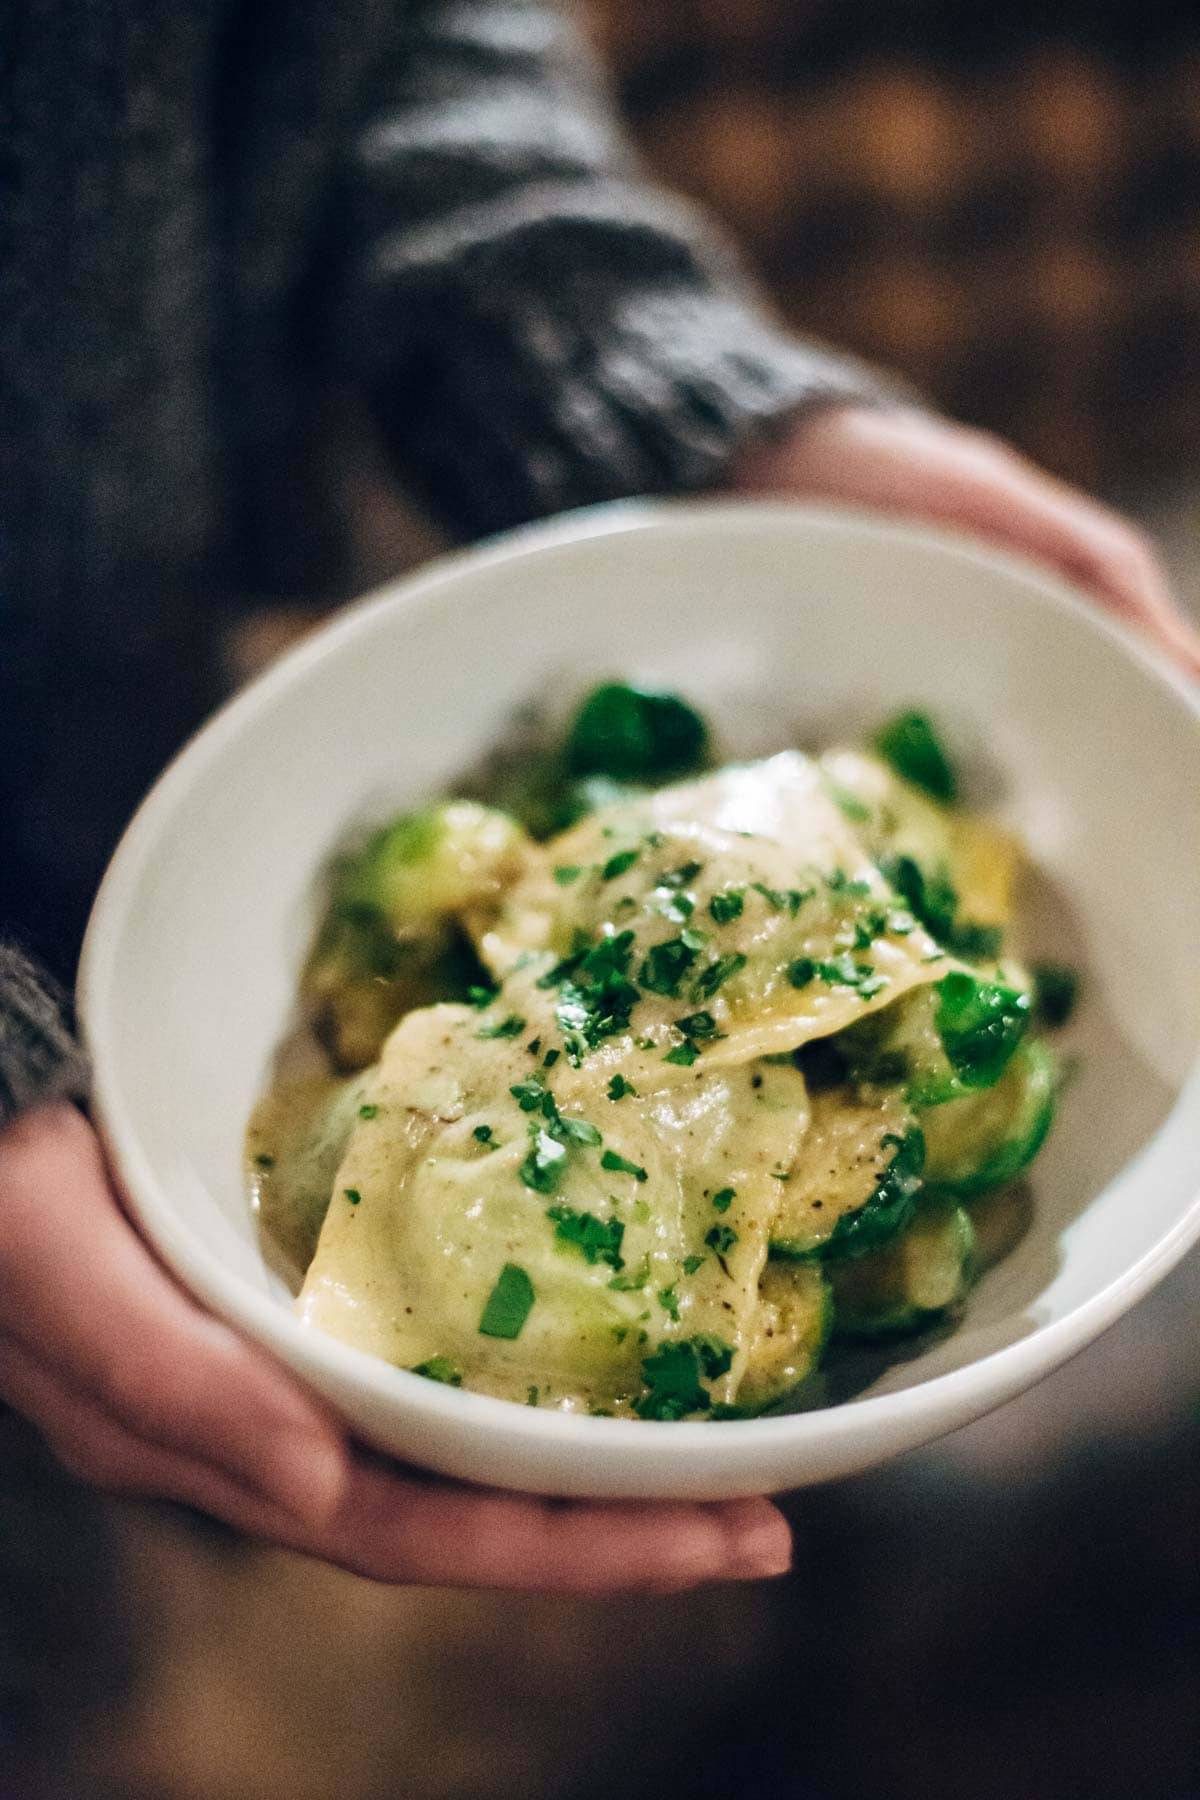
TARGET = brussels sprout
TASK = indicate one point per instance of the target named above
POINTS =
(389, 940)
(912, 1282)
(635, 734)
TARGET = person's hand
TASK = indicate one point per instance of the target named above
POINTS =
(139, 1391)
(924, 467)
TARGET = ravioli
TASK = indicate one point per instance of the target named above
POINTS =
(892, 818)
(718, 920)
(639, 1222)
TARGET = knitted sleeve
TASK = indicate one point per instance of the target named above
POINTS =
(39, 1058)
(536, 326)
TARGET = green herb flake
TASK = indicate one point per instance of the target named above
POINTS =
(691, 1263)
(724, 1199)
(353, 1196)
(672, 1376)
(668, 1299)
(532, 1396)
(620, 864)
(699, 1027)
(716, 1356)
(543, 1167)
(439, 1368)
(684, 1055)
(716, 974)
(508, 1304)
(484, 1134)
(264, 1161)
(727, 905)
(510, 1027)
(665, 967)
(529, 1095)
(912, 747)
(721, 1238)
(618, 1087)
(481, 996)
(597, 1240)
(802, 972)
(368, 1111)
(576, 1131)
(633, 1279)
(550, 1058)
(566, 873)
(620, 1165)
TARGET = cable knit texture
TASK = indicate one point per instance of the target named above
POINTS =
(39, 1059)
(214, 215)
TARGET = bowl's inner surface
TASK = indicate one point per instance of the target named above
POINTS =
(785, 628)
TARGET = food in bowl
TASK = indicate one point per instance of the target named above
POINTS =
(634, 1084)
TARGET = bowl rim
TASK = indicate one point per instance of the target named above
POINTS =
(930, 1408)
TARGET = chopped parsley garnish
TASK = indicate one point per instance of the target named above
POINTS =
(620, 1165)
(679, 878)
(510, 1027)
(529, 1095)
(566, 873)
(619, 864)
(673, 1377)
(596, 997)
(839, 882)
(368, 1110)
(666, 965)
(264, 1160)
(727, 905)
(848, 804)
(691, 1263)
(782, 899)
(933, 899)
(716, 1356)
(802, 971)
(699, 1027)
(543, 1167)
(721, 1238)
(1055, 993)
(684, 1055)
(484, 1134)
(912, 747)
(724, 1199)
(597, 1240)
(508, 1304)
(439, 1368)
(618, 1087)
(716, 974)
(481, 996)
(674, 904)
(632, 1279)
(668, 1299)
(353, 1196)
(532, 1396)
(577, 1131)
(550, 1058)
(839, 971)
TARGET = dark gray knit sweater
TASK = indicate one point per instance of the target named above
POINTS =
(213, 215)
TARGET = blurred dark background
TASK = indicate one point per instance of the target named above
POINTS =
(1003, 203)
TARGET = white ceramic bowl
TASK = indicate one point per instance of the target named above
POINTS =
(777, 620)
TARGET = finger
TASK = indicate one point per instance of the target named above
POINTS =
(80, 1291)
(401, 1528)
(98, 1449)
